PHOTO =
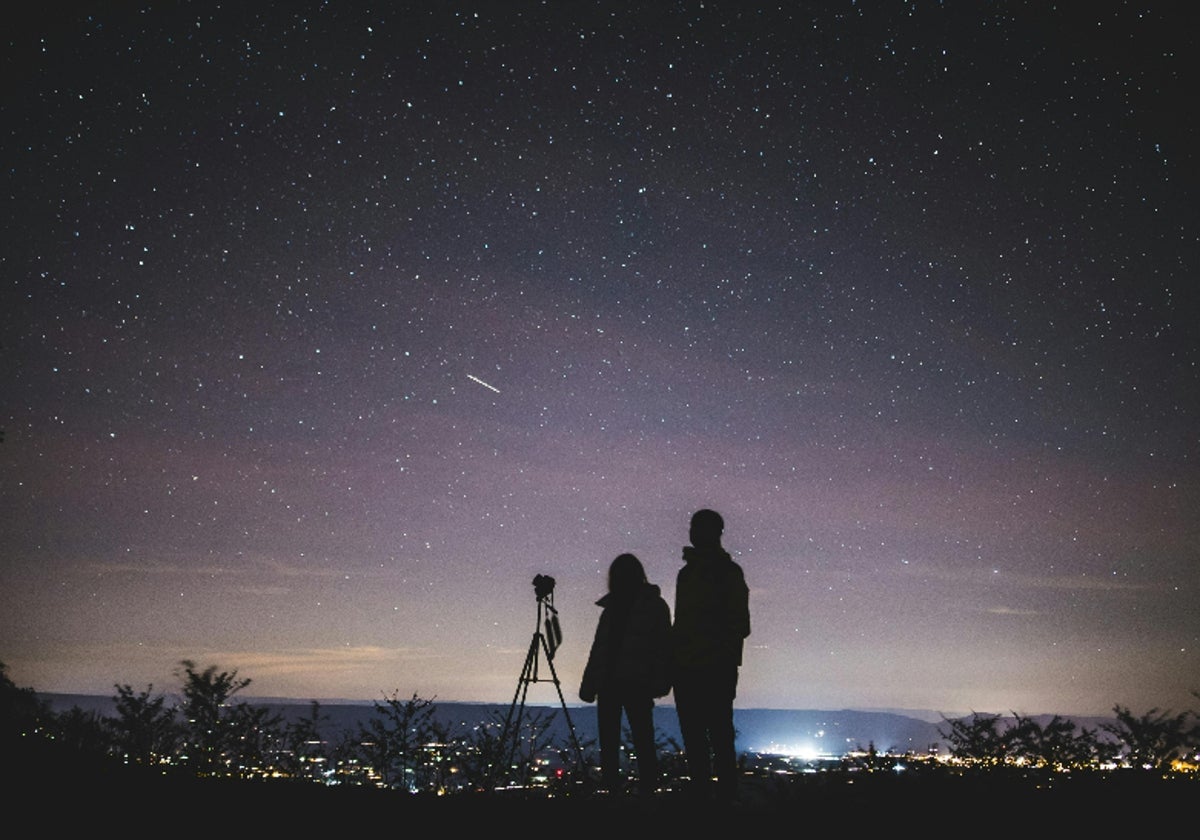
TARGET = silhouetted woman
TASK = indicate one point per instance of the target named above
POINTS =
(627, 668)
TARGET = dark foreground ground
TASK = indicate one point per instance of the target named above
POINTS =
(58, 798)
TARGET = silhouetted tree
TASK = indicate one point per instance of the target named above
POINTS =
(255, 737)
(21, 711)
(980, 739)
(85, 733)
(37, 743)
(482, 751)
(1153, 740)
(144, 729)
(392, 740)
(346, 757)
(223, 738)
(1056, 745)
(526, 747)
(304, 753)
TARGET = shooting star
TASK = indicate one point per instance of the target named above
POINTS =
(481, 382)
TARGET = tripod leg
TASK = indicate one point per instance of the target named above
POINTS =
(512, 729)
(566, 713)
(523, 682)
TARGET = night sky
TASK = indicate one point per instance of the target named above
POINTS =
(326, 327)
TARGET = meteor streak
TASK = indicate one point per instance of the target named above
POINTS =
(481, 382)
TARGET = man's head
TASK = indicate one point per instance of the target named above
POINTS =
(707, 527)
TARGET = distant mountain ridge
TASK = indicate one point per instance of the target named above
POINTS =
(785, 731)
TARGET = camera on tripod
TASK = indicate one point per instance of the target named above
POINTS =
(543, 587)
(547, 636)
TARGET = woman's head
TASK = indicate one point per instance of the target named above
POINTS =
(625, 574)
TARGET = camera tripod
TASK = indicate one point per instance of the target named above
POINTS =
(542, 642)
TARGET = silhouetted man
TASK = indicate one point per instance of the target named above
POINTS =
(712, 619)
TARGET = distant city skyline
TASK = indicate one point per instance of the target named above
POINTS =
(327, 327)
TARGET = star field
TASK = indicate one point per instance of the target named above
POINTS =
(328, 327)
